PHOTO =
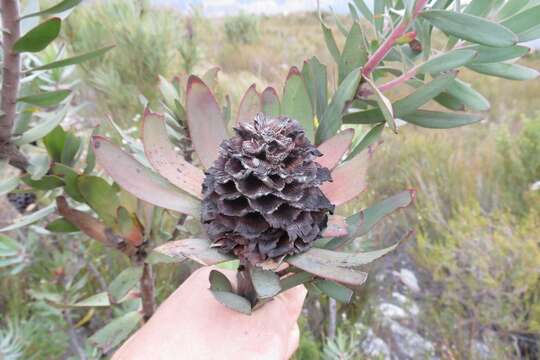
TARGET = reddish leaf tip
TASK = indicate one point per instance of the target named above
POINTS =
(270, 89)
(292, 72)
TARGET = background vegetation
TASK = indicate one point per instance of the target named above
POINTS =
(476, 254)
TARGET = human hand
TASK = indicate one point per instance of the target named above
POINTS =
(192, 325)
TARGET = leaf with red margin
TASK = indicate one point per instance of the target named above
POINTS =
(250, 105)
(348, 179)
(205, 121)
(161, 155)
(334, 148)
(270, 102)
(139, 181)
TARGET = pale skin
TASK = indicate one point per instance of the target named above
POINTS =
(192, 325)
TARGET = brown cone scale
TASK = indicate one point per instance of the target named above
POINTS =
(261, 197)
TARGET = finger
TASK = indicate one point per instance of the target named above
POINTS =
(294, 341)
(294, 300)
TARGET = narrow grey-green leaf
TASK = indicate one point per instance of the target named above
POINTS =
(422, 95)
(49, 98)
(368, 139)
(233, 301)
(332, 118)
(296, 103)
(487, 54)
(354, 52)
(315, 78)
(384, 104)
(30, 218)
(468, 96)
(440, 120)
(362, 222)
(471, 28)
(506, 71)
(330, 42)
(73, 60)
(265, 282)
(39, 37)
(8, 185)
(511, 7)
(364, 9)
(57, 8)
(219, 282)
(335, 290)
(128, 279)
(116, 331)
(523, 21)
(448, 61)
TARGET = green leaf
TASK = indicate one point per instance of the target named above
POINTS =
(523, 22)
(54, 143)
(464, 93)
(321, 268)
(487, 54)
(330, 42)
(364, 9)
(315, 78)
(57, 8)
(511, 7)
(440, 120)
(295, 279)
(385, 106)
(506, 71)
(354, 52)
(8, 185)
(219, 282)
(71, 148)
(70, 177)
(97, 300)
(139, 181)
(233, 301)
(361, 223)
(9, 247)
(296, 103)
(43, 128)
(335, 290)
(100, 196)
(332, 118)
(30, 218)
(47, 182)
(479, 7)
(61, 225)
(368, 139)
(45, 99)
(116, 331)
(422, 95)
(265, 282)
(471, 28)
(449, 102)
(198, 250)
(448, 61)
(125, 281)
(371, 116)
(531, 34)
(73, 60)
(270, 102)
(39, 37)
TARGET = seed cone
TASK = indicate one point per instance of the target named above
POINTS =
(261, 197)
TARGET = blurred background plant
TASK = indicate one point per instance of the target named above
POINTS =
(466, 288)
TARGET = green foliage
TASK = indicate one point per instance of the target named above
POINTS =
(242, 28)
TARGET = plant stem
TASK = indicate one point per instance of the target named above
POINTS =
(148, 292)
(332, 318)
(73, 337)
(399, 80)
(245, 285)
(389, 42)
(11, 74)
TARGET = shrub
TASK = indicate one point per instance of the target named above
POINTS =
(242, 28)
